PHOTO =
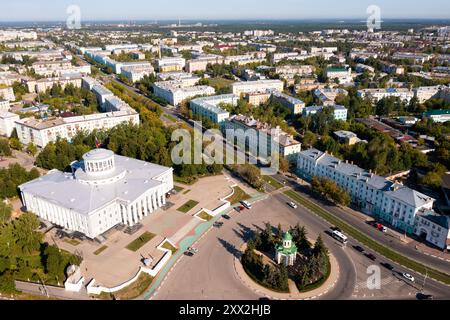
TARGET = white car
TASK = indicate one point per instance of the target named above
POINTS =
(293, 205)
(193, 250)
(408, 277)
(246, 205)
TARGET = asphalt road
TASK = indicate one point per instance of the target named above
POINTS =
(362, 226)
(210, 274)
(221, 283)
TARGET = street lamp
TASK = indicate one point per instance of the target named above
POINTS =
(425, 279)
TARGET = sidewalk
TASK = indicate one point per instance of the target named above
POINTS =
(294, 293)
(435, 253)
(198, 234)
(54, 292)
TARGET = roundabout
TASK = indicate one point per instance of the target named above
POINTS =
(294, 293)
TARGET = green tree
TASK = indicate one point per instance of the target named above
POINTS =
(5, 212)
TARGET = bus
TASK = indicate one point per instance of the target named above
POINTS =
(339, 236)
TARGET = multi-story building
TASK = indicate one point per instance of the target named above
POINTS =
(434, 228)
(8, 35)
(343, 74)
(175, 92)
(209, 107)
(339, 112)
(293, 104)
(438, 116)
(347, 137)
(257, 98)
(426, 93)
(257, 86)
(201, 62)
(7, 122)
(7, 78)
(377, 94)
(135, 73)
(258, 138)
(169, 64)
(59, 68)
(184, 78)
(392, 202)
(41, 132)
(7, 94)
(102, 191)
(415, 57)
(42, 85)
(295, 70)
(327, 96)
(391, 68)
(4, 105)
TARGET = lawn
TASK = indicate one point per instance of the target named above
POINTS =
(185, 180)
(274, 183)
(367, 241)
(239, 195)
(100, 250)
(220, 83)
(178, 188)
(203, 215)
(141, 241)
(72, 242)
(170, 117)
(188, 206)
(170, 247)
(133, 291)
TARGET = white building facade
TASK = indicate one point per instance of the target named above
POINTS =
(103, 190)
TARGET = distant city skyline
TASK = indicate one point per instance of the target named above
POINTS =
(50, 10)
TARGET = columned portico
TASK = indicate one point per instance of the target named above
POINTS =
(103, 190)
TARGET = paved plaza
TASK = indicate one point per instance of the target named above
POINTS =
(116, 264)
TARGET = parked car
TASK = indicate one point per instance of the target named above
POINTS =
(408, 277)
(422, 296)
(192, 249)
(293, 205)
(246, 205)
(226, 217)
(359, 248)
(189, 253)
(388, 266)
(371, 256)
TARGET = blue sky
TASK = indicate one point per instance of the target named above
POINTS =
(52, 10)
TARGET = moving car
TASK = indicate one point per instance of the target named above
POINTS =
(293, 205)
(359, 248)
(371, 256)
(408, 277)
(388, 266)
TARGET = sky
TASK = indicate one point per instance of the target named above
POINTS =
(55, 10)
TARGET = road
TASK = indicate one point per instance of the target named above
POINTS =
(345, 287)
(212, 276)
(362, 226)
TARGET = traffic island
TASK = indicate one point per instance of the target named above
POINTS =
(310, 293)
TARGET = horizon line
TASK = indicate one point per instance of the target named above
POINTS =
(337, 19)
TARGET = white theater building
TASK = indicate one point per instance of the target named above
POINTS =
(102, 191)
